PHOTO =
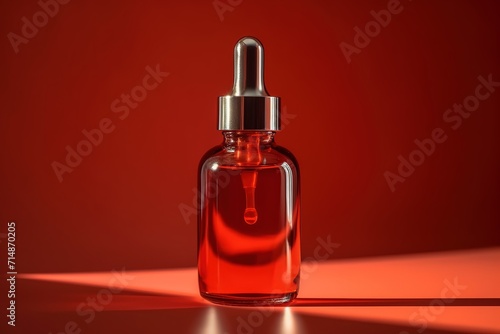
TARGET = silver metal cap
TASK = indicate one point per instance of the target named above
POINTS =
(249, 106)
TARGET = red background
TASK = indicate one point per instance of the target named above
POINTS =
(120, 206)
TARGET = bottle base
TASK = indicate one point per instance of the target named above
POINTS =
(249, 299)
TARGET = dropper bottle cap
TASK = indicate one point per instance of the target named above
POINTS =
(249, 106)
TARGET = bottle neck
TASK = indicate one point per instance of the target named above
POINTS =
(243, 139)
(248, 145)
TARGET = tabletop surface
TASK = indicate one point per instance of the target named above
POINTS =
(449, 292)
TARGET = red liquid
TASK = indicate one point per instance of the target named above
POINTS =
(249, 240)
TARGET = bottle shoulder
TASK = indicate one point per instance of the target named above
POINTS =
(287, 153)
(210, 156)
(274, 155)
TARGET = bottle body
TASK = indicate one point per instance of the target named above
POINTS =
(249, 221)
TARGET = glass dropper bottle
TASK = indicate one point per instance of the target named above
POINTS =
(249, 196)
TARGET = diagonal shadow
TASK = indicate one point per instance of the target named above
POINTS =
(300, 302)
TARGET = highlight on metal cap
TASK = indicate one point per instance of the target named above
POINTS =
(249, 106)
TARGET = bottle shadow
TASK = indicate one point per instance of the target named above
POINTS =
(303, 302)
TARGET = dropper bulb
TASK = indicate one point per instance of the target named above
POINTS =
(249, 68)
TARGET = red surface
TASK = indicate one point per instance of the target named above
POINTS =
(452, 292)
